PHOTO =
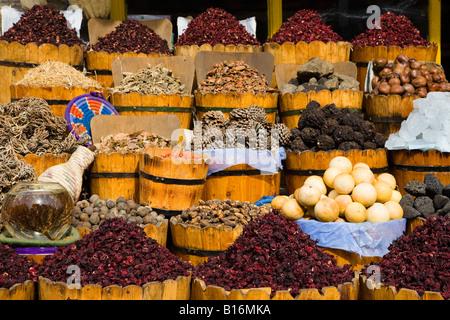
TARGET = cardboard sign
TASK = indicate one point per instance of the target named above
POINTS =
(182, 67)
(98, 28)
(284, 72)
(163, 125)
(205, 61)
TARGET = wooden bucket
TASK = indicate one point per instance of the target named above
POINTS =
(227, 102)
(293, 105)
(363, 55)
(387, 112)
(196, 244)
(16, 59)
(300, 165)
(19, 291)
(194, 49)
(241, 182)
(157, 232)
(115, 175)
(98, 64)
(178, 289)
(170, 186)
(42, 163)
(288, 52)
(345, 291)
(57, 97)
(411, 224)
(410, 165)
(383, 292)
(137, 104)
(346, 257)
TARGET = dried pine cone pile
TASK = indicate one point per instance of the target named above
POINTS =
(245, 128)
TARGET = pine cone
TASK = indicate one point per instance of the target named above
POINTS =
(256, 113)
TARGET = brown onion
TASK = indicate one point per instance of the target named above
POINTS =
(385, 72)
(394, 81)
(418, 82)
(433, 86)
(397, 89)
(384, 88)
(380, 62)
(409, 88)
(415, 73)
(422, 92)
(415, 64)
(405, 78)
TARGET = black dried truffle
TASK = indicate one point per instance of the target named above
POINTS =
(298, 145)
(369, 145)
(380, 140)
(325, 142)
(309, 135)
(349, 145)
(343, 133)
(314, 118)
(367, 128)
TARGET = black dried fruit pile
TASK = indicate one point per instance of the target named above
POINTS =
(329, 128)
(215, 26)
(14, 268)
(273, 252)
(42, 24)
(305, 25)
(420, 260)
(426, 199)
(132, 36)
(118, 253)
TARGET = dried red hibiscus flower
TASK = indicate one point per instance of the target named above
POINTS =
(118, 253)
(273, 252)
(420, 260)
(132, 36)
(215, 26)
(42, 24)
(307, 26)
(396, 30)
(14, 268)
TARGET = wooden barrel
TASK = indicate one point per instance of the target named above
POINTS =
(411, 224)
(156, 231)
(16, 59)
(241, 182)
(410, 165)
(363, 55)
(42, 163)
(171, 186)
(302, 51)
(300, 165)
(137, 104)
(98, 64)
(345, 291)
(293, 105)
(19, 291)
(387, 112)
(227, 102)
(346, 257)
(196, 244)
(57, 97)
(192, 50)
(383, 292)
(178, 289)
(115, 175)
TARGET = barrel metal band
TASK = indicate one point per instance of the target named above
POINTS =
(184, 182)
(28, 64)
(387, 119)
(198, 252)
(361, 64)
(167, 213)
(100, 72)
(415, 168)
(301, 111)
(151, 108)
(50, 102)
(306, 172)
(235, 173)
(205, 109)
(99, 175)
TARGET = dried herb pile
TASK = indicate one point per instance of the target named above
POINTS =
(152, 80)
(91, 213)
(329, 128)
(420, 260)
(234, 77)
(426, 199)
(135, 142)
(132, 36)
(14, 268)
(56, 73)
(245, 128)
(42, 24)
(396, 30)
(221, 213)
(273, 252)
(215, 26)
(28, 126)
(305, 25)
(118, 253)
